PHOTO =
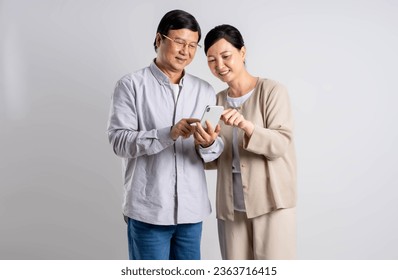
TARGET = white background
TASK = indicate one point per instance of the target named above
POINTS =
(61, 184)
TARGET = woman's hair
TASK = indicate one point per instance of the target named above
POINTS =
(227, 32)
(177, 19)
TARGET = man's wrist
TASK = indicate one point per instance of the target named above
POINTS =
(171, 134)
(207, 145)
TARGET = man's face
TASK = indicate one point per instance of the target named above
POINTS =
(177, 51)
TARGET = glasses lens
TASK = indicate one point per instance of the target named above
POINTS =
(182, 43)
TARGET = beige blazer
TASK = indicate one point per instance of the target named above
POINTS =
(267, 158)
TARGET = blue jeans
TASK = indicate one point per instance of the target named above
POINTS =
(154, 242)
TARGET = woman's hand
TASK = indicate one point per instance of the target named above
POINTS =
(232, 117)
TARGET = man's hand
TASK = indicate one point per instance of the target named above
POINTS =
(206, 137)
(183, 128)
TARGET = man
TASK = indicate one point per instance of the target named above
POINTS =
(165, 199)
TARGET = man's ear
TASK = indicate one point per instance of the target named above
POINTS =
(158, 39)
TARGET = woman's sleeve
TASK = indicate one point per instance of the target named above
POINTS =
(272, 139)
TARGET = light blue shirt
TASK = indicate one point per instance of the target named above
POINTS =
(164, 180)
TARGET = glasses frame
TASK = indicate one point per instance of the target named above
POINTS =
(183, 43)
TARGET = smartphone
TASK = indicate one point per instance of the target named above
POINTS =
(212, 114)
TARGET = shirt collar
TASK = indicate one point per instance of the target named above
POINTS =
(162, 77)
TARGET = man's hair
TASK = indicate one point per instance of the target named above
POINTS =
(177, 19)
(227, 32)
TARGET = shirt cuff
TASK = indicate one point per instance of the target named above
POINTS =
(212, 152)
(164, 136)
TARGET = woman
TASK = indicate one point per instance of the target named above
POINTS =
(256, 178)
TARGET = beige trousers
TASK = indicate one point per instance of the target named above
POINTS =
(271, 236)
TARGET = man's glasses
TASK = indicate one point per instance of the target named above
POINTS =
(182, 43)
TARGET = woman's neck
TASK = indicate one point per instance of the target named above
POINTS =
(241, 86)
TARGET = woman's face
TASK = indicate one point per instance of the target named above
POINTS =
(225, 61)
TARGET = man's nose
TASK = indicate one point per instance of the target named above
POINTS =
(184, 49)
